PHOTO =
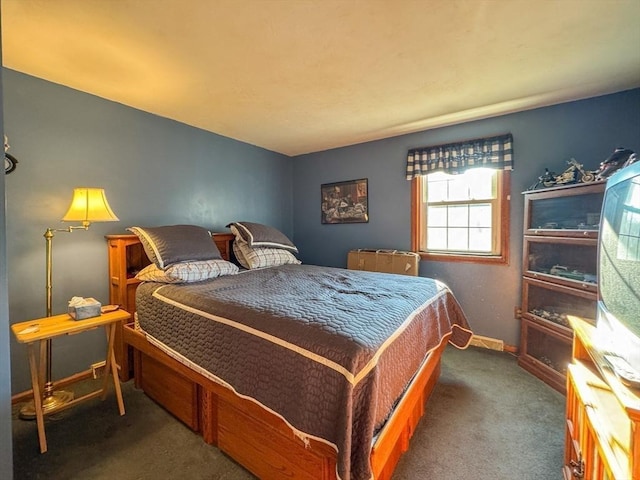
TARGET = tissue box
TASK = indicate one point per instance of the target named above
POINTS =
(90, 310)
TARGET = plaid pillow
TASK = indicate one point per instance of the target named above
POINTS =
(253, 258)
(187, 272)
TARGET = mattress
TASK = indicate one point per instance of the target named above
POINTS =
(328, 350)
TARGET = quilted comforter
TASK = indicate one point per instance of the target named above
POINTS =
(329, 350)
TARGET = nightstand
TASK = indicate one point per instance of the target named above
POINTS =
(39, 331)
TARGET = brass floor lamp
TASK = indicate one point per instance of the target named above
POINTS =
(87, 206)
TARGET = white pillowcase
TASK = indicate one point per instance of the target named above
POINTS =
(187, 272)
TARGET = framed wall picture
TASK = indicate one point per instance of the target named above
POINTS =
(345, 202)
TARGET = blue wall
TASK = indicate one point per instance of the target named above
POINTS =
(155, 172)
(587, 130)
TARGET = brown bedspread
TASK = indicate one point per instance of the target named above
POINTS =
(329, 350)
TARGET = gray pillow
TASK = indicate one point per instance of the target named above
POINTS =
(176, 243)
(258, 235)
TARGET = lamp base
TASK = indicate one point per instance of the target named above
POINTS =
(53, 401)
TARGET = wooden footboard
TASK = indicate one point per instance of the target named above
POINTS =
(258, 439)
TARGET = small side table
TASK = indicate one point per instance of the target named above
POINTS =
(40, 330)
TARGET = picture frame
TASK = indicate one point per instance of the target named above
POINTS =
(345, 202)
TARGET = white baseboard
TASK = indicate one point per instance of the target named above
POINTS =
(487, 342)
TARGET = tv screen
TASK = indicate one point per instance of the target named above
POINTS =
(619, 268)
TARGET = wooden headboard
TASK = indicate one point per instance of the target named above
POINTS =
(126, 258)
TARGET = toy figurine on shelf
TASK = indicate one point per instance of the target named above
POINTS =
(575, 173)
(545, 180)
(621, 157)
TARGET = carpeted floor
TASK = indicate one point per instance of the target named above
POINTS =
(487, 420)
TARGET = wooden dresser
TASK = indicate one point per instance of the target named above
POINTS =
(126, 259)
(603, 416)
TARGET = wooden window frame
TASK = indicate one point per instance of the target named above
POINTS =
(418, 228)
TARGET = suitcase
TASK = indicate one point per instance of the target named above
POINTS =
(386, 261)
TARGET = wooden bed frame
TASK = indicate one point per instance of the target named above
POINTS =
(257, 439)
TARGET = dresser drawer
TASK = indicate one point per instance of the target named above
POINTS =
(176, 393)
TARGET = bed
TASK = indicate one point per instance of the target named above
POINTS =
(296, 371)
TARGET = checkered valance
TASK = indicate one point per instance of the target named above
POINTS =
(494, 152)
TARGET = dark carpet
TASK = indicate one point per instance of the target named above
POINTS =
(487, 419)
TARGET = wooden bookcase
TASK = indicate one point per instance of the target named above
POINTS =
(603, 416)
(126, 259)
(560, 254)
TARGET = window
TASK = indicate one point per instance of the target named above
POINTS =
(460, 199)
(462, 217)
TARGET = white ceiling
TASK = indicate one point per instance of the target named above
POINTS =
(298, 76)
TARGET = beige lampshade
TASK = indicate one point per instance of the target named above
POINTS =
(89, 205)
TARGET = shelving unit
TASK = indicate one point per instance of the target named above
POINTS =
(560, 253)
(122, 286)
(126, 258)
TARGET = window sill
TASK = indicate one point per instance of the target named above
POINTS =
(453, 257)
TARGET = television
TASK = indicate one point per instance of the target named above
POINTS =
(618, 315)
